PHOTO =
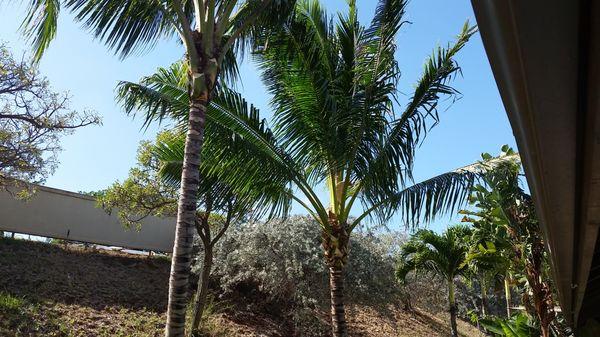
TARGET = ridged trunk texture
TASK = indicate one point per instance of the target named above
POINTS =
(202, 292)
(339, 326)
(452, 308)
(186, 215)
(335, 245)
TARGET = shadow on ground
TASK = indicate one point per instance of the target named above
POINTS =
(43, 272)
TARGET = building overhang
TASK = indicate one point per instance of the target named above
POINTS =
(545, 56)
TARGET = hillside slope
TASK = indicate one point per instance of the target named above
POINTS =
(57, 291)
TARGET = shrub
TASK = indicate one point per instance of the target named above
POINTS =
(283, 260)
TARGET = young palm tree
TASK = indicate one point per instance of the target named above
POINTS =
(490, 253)
(210, 31)
(439, 254)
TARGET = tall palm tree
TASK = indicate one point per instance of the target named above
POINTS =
(439, 254)
(334, 90)
(165, 93)
(210, 31)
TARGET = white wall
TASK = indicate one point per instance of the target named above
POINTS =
(66, 215)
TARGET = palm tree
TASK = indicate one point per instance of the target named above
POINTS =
(334, 90)
(210, 31)
(490, 253)
(343, 132)
(442, 255)
(165, 93)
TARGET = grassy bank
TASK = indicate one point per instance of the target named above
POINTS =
(57, 291)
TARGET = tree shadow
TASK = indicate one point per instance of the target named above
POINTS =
(42, 271)
(432, 323)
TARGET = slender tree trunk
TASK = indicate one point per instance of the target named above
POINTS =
(186, 215)
(202, 292)
(335, 245)
(507, 296)
(484, 298)
(338, 311)
(452, 308)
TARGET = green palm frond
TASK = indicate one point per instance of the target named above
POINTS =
(241, 27)
(439, 254)
(125, 26)
(226, 157)
(297, 71)
(40, 24)
(239, 146)
(394, 155)
(161, 95)
(442, 194)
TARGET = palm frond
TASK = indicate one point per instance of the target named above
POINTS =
(429, 252)
(125, 26)
(242, 30)
(40, 24)
(162, 95)
(297, 70)
(439, 195)
(385, 166)
(409, 130)
(223, 173)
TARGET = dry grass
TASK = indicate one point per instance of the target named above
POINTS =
(50, 290)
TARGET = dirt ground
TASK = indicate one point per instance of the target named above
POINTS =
(59, 291)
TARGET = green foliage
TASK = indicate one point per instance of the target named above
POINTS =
(10, 303)
(142, 193)
(227, 158)
(519, 325)
(507, 236)
(333, 84)
(438, 254)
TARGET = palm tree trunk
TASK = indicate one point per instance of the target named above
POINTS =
(335, 245)
(338, 311)
(202, 291)
(186, 215)
(484, 298)
(452, 308)
(507, 295)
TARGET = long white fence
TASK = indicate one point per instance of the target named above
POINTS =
(62, 214)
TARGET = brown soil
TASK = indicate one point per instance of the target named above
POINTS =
(57, 291)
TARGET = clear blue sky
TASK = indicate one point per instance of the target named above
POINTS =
(95, 157)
